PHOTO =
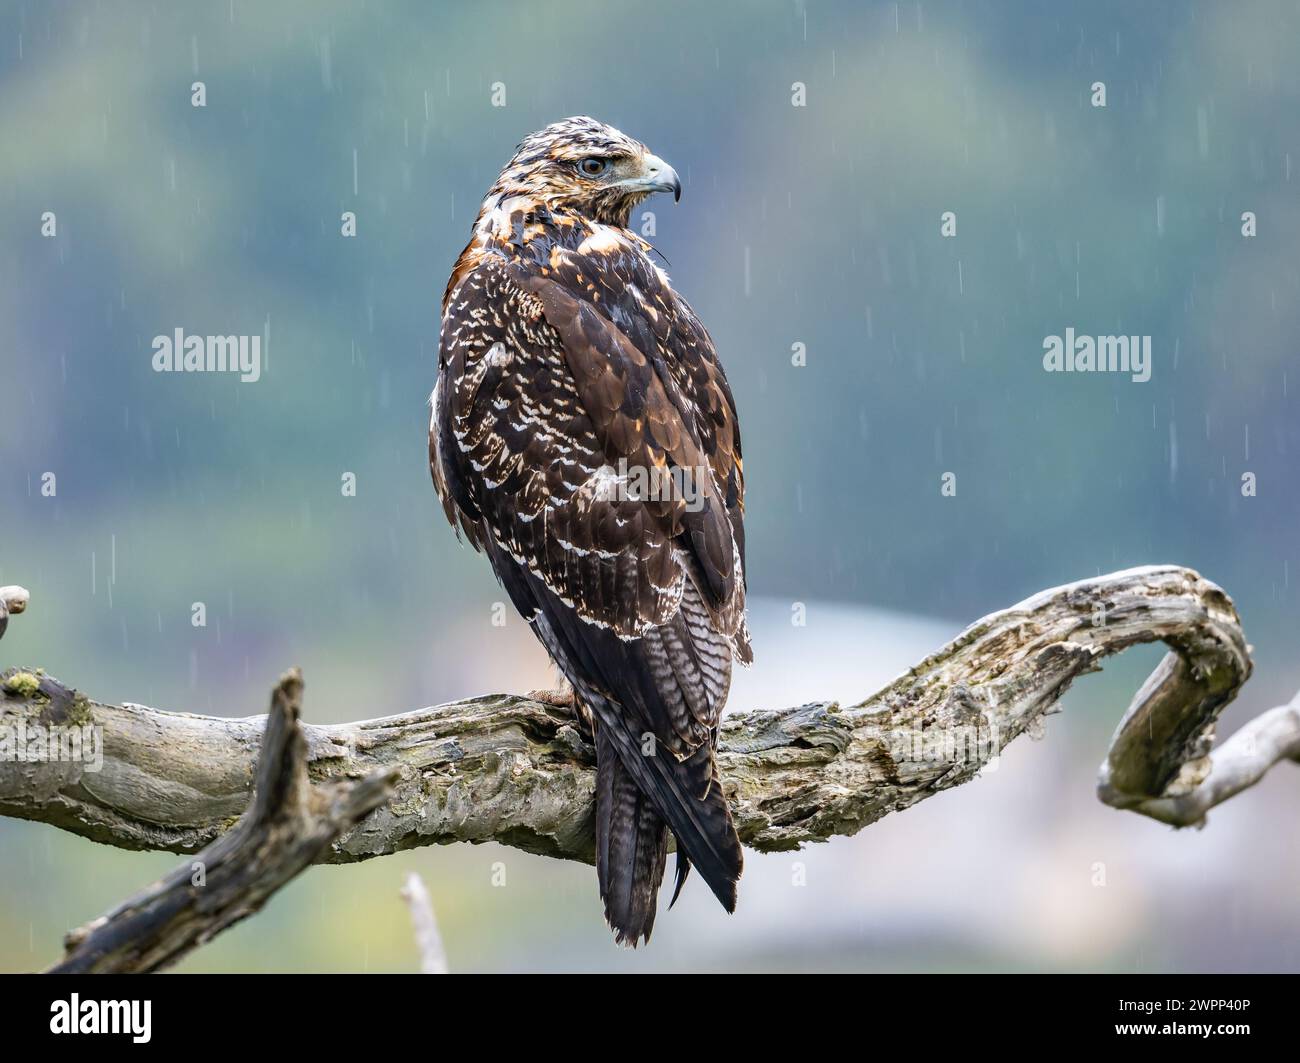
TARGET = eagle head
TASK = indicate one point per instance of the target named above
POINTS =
(582, 166)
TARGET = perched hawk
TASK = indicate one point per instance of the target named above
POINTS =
(585, 439)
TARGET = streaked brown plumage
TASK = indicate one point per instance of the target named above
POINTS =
(568, 364)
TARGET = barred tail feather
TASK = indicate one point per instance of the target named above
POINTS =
(631, 849)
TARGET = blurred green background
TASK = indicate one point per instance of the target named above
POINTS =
(817, 225)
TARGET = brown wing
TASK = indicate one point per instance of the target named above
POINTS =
(618, 282)
(549, 406)
(534, 475)
(643, 420)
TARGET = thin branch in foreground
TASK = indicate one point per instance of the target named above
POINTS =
(433, 958)
(288, 826)
(517, 771)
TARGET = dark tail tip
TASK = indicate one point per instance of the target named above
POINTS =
(725, 891)
(714, 847)
(632, 932)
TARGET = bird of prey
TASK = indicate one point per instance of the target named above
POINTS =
(585, 439)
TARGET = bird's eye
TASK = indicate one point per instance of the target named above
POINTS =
(593, 167)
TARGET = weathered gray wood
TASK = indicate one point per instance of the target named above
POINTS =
(290, 822)
(508, 769)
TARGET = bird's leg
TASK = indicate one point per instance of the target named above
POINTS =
(561, 697)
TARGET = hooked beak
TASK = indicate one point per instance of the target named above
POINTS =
(656, 176)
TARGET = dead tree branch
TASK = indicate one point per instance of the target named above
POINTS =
(289, 824)
(508, 769)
